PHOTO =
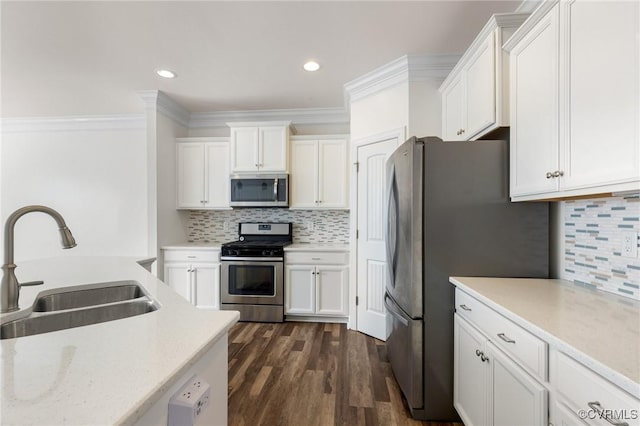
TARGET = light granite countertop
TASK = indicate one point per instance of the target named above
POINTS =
(193, 246)
(317, 247)
(108, 373)
(599, 329)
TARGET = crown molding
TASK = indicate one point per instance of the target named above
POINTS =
(74, 123)
(498, 20)
(543, 7)
(157, 100)
(404, 69)
(299, 116)
(528, 6)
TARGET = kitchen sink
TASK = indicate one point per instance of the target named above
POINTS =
(101, 294)
(79, 306)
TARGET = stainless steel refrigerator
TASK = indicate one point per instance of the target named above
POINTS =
(448, 214)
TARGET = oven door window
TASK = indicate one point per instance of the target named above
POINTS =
(252, 280)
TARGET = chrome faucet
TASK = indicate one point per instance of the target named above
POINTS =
(10, 287)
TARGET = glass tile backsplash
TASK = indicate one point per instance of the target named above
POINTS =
(593, 232)
(309, 226)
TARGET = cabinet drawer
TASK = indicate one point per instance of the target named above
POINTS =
(585, 390)
(317, 258)
(175, 255)
(530, 351)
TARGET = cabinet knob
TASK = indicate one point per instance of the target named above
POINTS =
(483, 358)
(549, 175)
(478, 352)
(461, 131)
(558, 173)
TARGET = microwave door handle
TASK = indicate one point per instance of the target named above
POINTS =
(275, 189)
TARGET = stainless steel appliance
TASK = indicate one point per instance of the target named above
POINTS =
(448, 214)
(263, 190)
(252, 274)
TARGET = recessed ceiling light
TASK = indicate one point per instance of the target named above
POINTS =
(166, 73)
(312, 66)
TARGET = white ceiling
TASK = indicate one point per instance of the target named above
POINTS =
(89, 57)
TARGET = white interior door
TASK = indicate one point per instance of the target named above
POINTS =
(371, 257)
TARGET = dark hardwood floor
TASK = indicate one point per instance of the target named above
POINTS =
(304, 374)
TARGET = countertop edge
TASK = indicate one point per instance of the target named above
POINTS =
(619, 379)
(311, 247)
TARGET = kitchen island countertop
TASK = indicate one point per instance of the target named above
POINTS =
(317, 247)
(107, 373)
(599, 329)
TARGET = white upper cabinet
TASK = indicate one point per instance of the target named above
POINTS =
(203, 173)
(475, 94)
(259, 147)
(319, 172)
(575, 100)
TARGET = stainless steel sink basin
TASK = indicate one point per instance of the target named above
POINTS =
(79, 306)
(72, 299)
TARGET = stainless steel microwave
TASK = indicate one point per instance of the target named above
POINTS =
(263, 190)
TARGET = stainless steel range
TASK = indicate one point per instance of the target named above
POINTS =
(252, 275)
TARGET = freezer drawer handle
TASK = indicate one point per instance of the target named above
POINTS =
(465, 307)
(394, 313)
(505, 338)
(602, 413)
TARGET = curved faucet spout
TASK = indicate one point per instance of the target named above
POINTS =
(10, 287)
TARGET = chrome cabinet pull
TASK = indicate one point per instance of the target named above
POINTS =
(603, 414)
(191, 257)
(316, 258)
(465, 307)
(505, 338)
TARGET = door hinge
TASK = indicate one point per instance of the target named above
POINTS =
(357, 234)
(357, 301)
(357, 164)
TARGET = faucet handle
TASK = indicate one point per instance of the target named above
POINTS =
(30, 283)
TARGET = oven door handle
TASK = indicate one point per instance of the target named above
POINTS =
(256, 259)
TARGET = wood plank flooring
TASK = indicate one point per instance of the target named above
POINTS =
(306, 374)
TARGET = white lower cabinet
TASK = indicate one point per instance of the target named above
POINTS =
(195, 275)
(314, 287)
(489, 387)
(584, 397)
(505, 375)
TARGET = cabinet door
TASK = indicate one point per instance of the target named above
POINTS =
(600, 54)
(516, 397)
(534, 109)
(303, 186)
(470, 382)
(217, 175)
(191, 173)
(481, 89)
(244, 149)
(563, 416)
(206, 283)
(273, 149)
(178, 277)
(332, 284)
(299, 284)
(453, 111)
(333, 178)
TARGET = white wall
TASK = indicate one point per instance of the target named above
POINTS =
(380, 112)
(95, 178)
(425, 108)
(171, 223)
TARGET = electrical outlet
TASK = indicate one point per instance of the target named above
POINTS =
(189, 402)
(629, 244)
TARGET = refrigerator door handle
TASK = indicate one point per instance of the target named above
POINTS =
(391, 234)
(392, 310)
